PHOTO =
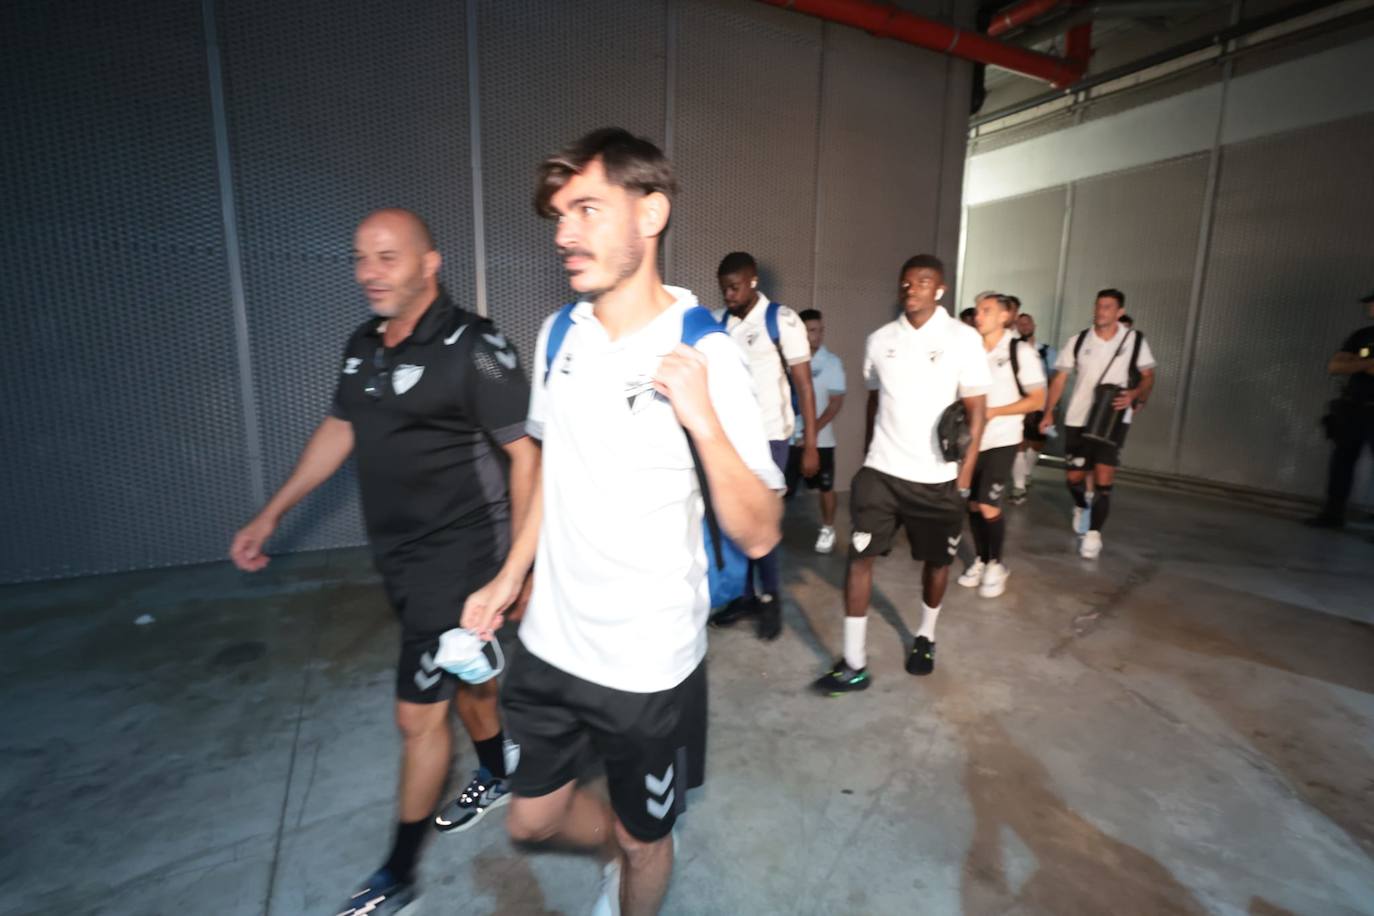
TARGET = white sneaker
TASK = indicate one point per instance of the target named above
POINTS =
(973, 576)
(1082, 519)
(825, 540)
(1091, 546)
(994, 580)
(608, 904)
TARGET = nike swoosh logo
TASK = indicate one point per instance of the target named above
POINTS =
(453, 338)
(496, 340)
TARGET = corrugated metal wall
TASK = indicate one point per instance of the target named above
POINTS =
(1288, 254)
(129, 441)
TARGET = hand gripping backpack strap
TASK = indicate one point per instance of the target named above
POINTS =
(697, 323)
(727, 566)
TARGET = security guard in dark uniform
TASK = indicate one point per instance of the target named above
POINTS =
(432, 402)
(1350, 420)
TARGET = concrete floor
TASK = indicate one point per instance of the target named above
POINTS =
(1184, 726)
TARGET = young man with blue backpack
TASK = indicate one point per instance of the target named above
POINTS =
(773, 340)
(652, 460)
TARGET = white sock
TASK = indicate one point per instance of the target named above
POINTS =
(1018, 471)
(928, 617)
(856, 642)
(1032, 456)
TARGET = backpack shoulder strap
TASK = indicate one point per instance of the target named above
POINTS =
(1078, 344)
(1016, 366)
(557, 331)
(697, 322)
(770, 321)
(1135, 351)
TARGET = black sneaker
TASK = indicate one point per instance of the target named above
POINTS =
(735, 611)
(483, 793)
(383, 894)
(769, 625)
(841, 679)
(922, 657)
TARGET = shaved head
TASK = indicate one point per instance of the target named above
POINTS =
(405, 224)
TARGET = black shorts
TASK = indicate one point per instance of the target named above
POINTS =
(823, 479)
(428, 602)
(418, 678)
(1081, 453)
(931, 513)
(991, 474)
(653, 745)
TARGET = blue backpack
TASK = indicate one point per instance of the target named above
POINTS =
(727, 567)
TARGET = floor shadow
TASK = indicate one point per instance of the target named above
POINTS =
(1076, 867)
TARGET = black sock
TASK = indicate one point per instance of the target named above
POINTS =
(491, 754)
(997, 536)
(406, 850)
(1102, 503)
(978, 527)
(1079, 492)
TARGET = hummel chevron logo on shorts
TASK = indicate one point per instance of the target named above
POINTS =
(661, 795)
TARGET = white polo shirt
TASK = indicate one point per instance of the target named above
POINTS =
(1003, 431)
(1098, 356)
(774, 390)
(918, 373)
(827, 378)
(620, 590)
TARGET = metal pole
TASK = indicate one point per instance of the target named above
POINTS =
(252, 434)
(1204, 244)
(479, 221)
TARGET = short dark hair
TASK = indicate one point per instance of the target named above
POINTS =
(928, 261)
(1013, 302)
(810, 315)
(1126, 319)
(966, 313)
(1110, 293)
(1026, 315)
(736, 261)
(631, 162)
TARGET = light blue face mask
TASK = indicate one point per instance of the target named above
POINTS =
(462, 653)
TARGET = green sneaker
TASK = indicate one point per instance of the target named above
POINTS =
(842, 679)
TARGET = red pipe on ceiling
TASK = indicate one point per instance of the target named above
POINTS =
(885, 21)
(1078, 44)
(1018, 14)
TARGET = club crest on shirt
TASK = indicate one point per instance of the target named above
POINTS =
(405, 376)
(861, 540)
(936, 354)
(639, 393)
(749, 341)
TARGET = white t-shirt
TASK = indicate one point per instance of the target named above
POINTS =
(918, 373)
(1008, 430)
(827, 378)
(774, 390)
(620, 590)
(1097, 355)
